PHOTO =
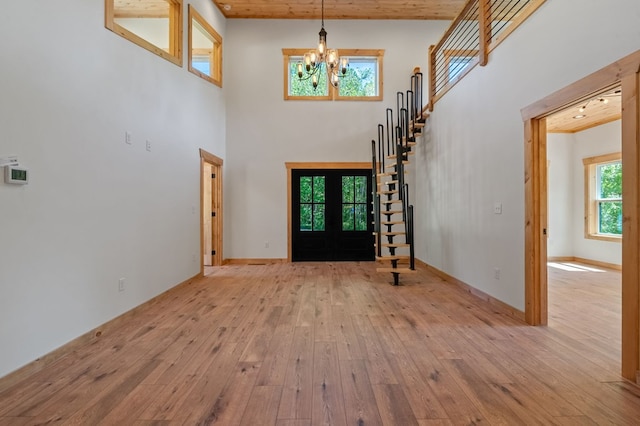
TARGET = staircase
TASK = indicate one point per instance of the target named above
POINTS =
(392, 211)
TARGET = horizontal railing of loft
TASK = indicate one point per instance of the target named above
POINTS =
(479, 28)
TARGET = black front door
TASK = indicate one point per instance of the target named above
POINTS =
(331, 214)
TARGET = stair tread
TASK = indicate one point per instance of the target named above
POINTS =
(390, 212)
(393, 157)
(395, 165)
(393, 257)
(389, 182)
(391, 174)
(391, 234)
(396, 245)
(392, 223)
(397, 270)
(391, 201)
(389, 191)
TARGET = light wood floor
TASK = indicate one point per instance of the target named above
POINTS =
(335, 344)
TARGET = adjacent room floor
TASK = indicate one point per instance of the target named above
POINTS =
(336, 344)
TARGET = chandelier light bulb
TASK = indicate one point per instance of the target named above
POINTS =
(334, 79)
(344, 62)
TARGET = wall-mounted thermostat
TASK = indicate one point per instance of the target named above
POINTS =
(16, 175)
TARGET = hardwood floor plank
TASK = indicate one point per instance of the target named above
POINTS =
(262, 407)
(358, 394)
(16, 421)
(201, 401)
(393, 405)
(477, 390)
(168, 399)
(327, 402)
(381, 371)
(297, 391)
(305, 422)
(274, 366)
(132, 406)
(102, 404)
(350, 344)
(423, 401)
(234, 398)
(459, 408)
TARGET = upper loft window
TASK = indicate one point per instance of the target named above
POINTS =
(155, 25)
(458, 62)
(362, 82)
(603, 197)
(205, 49)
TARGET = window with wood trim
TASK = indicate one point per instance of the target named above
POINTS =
(603, 197)
(205, 49)
(363, 81)
(155, 25)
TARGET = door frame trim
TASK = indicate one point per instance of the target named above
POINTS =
(312, 166)
(216, 162)
(624, 72)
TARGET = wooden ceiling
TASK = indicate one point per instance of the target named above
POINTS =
(341, 9)
(141, 8)
(592, 112)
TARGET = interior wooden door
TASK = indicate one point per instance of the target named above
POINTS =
(211, 209)
(207, 188)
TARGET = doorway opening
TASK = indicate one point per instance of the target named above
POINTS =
(624, 73)
(210, 210)
(585, 226)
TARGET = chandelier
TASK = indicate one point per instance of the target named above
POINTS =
(312, 61)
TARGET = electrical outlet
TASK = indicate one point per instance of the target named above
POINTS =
(497, 207)
(127, 138)
(266, 244)
(496, 273)
(121, 284)
(149, 146)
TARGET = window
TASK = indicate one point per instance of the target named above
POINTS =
(354, 203)
(312, 203)
(205, 49)
(603, 197)
(458, 62)
(363, 81)
(155, 25)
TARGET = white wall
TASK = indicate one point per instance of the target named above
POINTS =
(264, 131)
(560, 186)
(95, 209)
(475, 152)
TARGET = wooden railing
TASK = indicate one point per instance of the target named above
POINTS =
(476, 31)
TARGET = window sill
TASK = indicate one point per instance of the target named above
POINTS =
(605, 237)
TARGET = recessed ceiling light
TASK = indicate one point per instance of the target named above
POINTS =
(579, 116)
(227, 7)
